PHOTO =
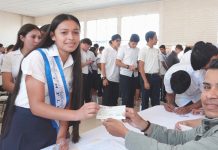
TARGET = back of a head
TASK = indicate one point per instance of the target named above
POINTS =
(179, 46)
(134, 38)
(149, 35)
(96, 45)
(180, 81)
(201, 54)
(1, 45)
(45, 27)
(101, 48)
(86, 41)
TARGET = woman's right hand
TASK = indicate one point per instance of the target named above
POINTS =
(88, 110)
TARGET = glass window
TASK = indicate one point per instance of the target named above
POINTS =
(139, 25)
(100, 31)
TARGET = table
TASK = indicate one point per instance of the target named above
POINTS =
(98, 138)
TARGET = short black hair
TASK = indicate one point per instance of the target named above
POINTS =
(213, 64)
(96, 45)
(201, 54)
(101, 48)
(149, 35)
(115, 37)
(134, 38)
(180, 81)
(86, 41)
(1, 45)
(163, 46)
(179, 46)
(45, 27)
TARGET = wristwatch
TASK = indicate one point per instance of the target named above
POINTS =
(104, 78)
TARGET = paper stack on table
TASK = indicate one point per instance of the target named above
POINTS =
(115, 112)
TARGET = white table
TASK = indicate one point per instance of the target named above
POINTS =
(99, 139)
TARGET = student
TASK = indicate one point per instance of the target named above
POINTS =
(156, 137)
(110, 72)
(87, 58)
(28, 37)
(172, 58)
(183, 89)
(127, 58)
(36, 118)
(149, 70)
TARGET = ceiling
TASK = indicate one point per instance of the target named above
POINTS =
(36, 8)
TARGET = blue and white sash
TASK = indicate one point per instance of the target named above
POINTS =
(58, 90)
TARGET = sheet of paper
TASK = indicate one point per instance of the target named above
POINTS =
(115, 112)
(52, 147)
(184, 127)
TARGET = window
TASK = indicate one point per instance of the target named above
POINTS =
(100, 31)
(139, 25)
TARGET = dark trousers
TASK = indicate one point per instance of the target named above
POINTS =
(127, 88)
(110, 94)
(99, 85)
(162, 89)
(87, 87)
(153, 93)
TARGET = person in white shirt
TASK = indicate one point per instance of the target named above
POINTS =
(183, 89)
(100, 86)
(87, 59)
(110, 72)
(149, 70)
(28, 37)
(48, 88)
(127, 58)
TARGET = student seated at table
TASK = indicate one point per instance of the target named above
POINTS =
(156, 137)
(183, 89)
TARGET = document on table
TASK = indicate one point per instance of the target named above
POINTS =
(115, 112)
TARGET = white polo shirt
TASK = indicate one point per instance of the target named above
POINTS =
(162, 58)
(98, 62)
(150, 57)
(11, 62)
(84, 57)
(108, 57)
(128, 56)
(33, 65)
(193, 93)
(186, 57)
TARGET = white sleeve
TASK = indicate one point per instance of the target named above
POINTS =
(120, 54)
(6, 63)
(161, 57)
(33, 65)
(142, 55)
(167, 85)
(104, 56)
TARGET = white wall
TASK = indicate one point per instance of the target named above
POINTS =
(9, 26)
(181, 21)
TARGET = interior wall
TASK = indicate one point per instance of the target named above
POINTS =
(9, 26)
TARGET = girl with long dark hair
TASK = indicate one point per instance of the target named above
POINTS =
(47, 88)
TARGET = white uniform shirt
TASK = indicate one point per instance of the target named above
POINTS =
(128, 56)
(162, 58)
(186, 58)
(150, 57)
(33, 65)
(108, 57)
(193, 93)
(85, 56)
(98, 62)
(11, 62)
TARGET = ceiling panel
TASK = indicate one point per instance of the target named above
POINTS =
(38, 8)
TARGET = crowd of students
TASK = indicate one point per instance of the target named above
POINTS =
(53, 78)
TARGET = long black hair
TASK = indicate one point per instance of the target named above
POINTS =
(46, 42)
(24, 30)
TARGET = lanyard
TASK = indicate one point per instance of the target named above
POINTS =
(50, 83)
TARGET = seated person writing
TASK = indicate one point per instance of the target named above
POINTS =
(183, 89)
(204, 137)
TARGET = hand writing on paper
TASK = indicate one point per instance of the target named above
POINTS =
(169, 107)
